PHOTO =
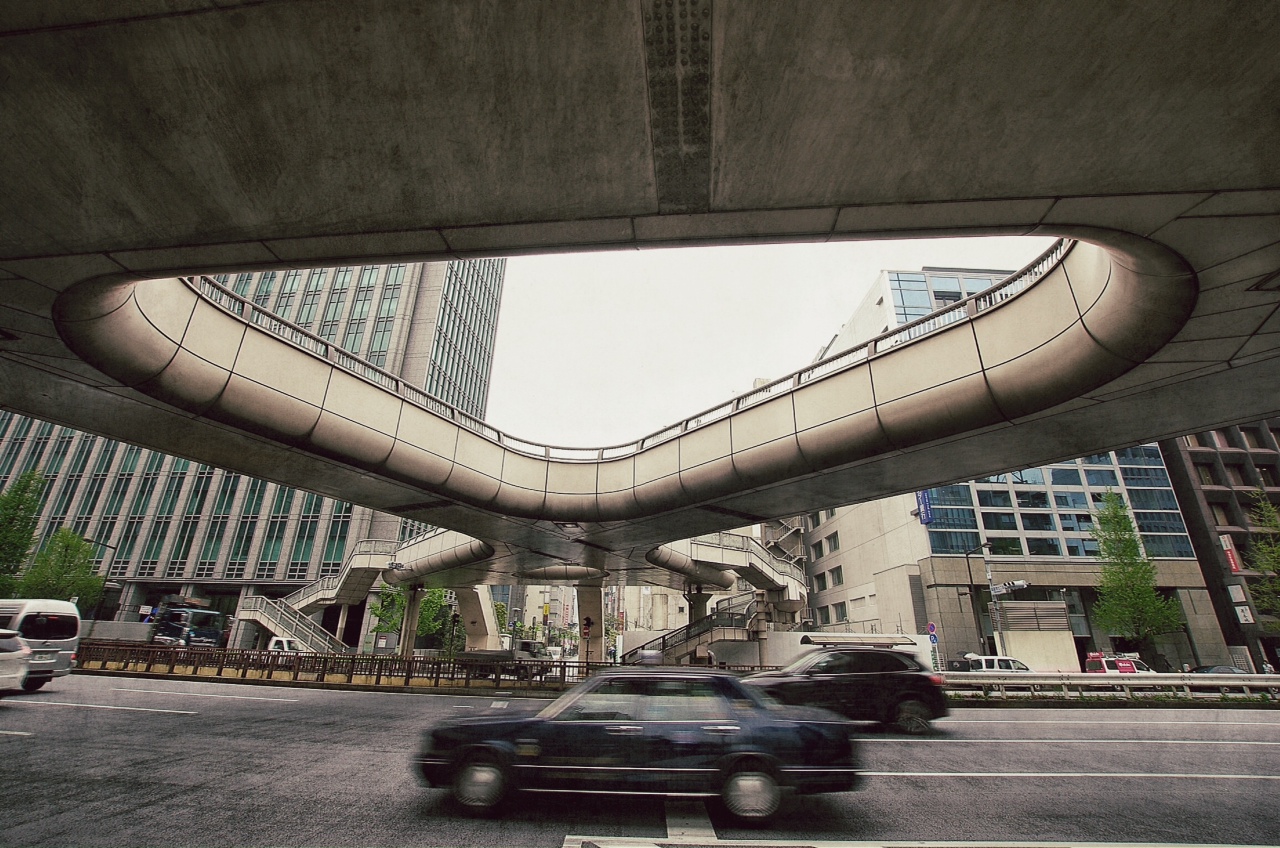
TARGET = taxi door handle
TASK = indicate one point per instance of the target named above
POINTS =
(722, 729)
(624, 729)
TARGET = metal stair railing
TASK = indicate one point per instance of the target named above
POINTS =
(283, 620)
(332, 584)
(684, 635)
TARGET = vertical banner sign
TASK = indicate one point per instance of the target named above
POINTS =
(1229, 548)
(924, 507)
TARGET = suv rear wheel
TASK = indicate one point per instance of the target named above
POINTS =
(913, 718)
(751, 792)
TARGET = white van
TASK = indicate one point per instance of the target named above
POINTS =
(995, 663)
(51, 629)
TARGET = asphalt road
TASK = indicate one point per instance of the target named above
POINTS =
(119, 761)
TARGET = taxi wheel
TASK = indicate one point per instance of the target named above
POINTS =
(912, 717)
(751, 793)
(479, 782)
(33, 685)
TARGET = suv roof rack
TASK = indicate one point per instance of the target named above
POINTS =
(865, 640)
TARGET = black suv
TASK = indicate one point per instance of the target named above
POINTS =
(863, 684)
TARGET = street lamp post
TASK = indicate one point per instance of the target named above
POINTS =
(973, 602)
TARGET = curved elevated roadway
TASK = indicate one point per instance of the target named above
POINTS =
(146, 143)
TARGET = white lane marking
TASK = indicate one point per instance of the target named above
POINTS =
(1101, 723)
(15, 733)
(101, 707)
(1049, 774)
(1076, 741)
(640, 842)
(498, 705)
(203, 695)
(688, 819)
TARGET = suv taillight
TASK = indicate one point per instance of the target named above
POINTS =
(937, 680)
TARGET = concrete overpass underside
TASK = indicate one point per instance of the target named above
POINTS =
(146, 141)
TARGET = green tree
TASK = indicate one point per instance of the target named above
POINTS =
(500, 614)
(1128, 603)
(434, 618)
(1264, 558)
(62, 570)
(19, 516)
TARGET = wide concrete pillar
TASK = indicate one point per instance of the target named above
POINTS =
(698, 602)
(475, 613)
(591, 606)
(409, 624)
(343, 611)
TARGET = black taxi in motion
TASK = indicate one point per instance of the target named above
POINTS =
(652, 731)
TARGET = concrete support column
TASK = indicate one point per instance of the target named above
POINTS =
(243, 633)
(409, 625)
(475, 610)
(343, 611)
(591, 606)
(698, 602)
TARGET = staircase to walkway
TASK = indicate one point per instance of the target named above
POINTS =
(730, 621)
(283, 620)
(288, 616)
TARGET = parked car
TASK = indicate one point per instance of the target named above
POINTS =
(1097, 662)
(995, 663)
(1218, 669)
(15, 660)
(862, 684)
(650, 731)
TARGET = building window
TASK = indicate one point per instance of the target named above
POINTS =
(991, 497)
(833, 542)
(1082, 547)
(820, 582)
(1147, 478)
(824, 615)
(1205, 474)
(1037, 521)
(1235, 475)
(1078, 522)
(950, 518)
(815, 518)
(951, 496)
(1028, 477)
(999, 521)
(842, 611)
(1267, 474)
(1177, 547)
(1071, 500)
(1252, 438)
(837, 575)
(1159, 522)
(1005, 546)
(1101, 478)
(1043, 547)
(1153, 499)
(1065, 476)
(952, 542)
(1033, 500)
(1220, 515)
(817, 550)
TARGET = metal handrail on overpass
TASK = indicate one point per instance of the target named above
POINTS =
(248, 311)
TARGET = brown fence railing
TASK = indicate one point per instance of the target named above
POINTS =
(350, 669)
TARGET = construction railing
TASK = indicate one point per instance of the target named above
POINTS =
(985, 684)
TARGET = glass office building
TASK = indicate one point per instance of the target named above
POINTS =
(897, 564)
(167, 525)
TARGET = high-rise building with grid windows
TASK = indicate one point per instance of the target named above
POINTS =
(899, 563)
(166, 525)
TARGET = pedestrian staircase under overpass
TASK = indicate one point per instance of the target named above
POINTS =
(369, 559)
(778, 593)
(289, 616)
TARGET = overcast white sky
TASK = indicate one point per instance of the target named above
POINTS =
(597, 349)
